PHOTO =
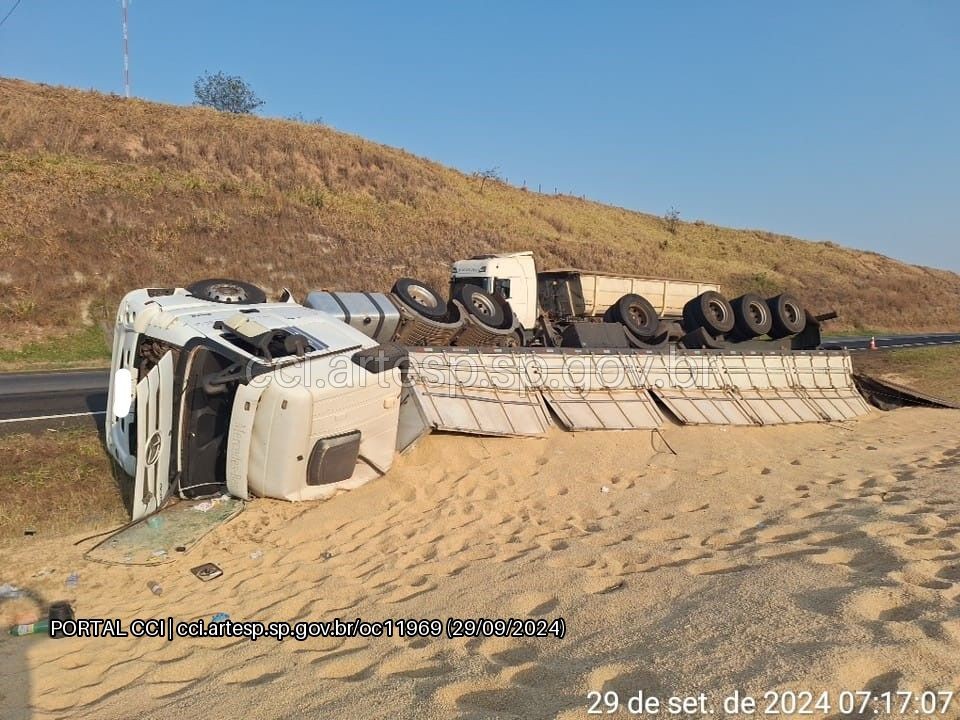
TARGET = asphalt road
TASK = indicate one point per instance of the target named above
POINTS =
(891, 341)
(39, 400)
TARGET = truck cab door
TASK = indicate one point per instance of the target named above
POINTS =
(154, 428)
(523, 291)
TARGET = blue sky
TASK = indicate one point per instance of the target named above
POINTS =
(829, 121)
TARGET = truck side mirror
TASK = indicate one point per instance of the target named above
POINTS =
(122, 393)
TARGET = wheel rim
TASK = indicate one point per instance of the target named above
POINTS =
(637, 315)
(757, 313)
(422, 296)
(227, 293)
(717, 311)
(483, 305)
(792, 313)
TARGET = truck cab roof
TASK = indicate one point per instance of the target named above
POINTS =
(178, 317)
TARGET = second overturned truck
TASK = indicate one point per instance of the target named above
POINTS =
(214, 389)
(503, 300)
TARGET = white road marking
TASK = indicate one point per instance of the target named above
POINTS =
(53, 417)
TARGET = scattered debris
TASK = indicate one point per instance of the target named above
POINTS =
(59, 611)
(73, 579)
(155, 587)
(41, 626)
(604, 489)
(8, 591)
(207, 571)
(220, 617)
(256, 554)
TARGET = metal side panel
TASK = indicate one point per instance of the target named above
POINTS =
(154, 438)
(838, 403)
(705, 407)
(695, 388)
(767, 388)
(774, 406)
(595, 391)
(476, 393)
(605, 409)
(827, 385)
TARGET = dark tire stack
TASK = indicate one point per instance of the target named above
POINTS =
(787, 316)
(711, 311)
(491, 310)
(636, 314)
(752, 316)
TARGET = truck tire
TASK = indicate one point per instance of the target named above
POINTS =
(752, 316)
(481, 305)
(636, 314)
(787, 314)
(711, 311)
(230, 292)
(421, 298)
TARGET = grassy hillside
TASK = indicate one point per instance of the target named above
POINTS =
(99, 195)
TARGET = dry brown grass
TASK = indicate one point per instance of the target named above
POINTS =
(99, 195)
(56, 483)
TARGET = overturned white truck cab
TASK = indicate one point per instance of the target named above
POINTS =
(213, 389)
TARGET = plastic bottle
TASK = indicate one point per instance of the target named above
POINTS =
(73, 579)
(40, 626)
(155, 587)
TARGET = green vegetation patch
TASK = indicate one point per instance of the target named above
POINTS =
(85, 347)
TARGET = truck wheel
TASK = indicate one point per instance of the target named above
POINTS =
(787, 314)
(421, 298)
(481, 304)
(636, 314)
(230, 292)
(711, 311)
(752, 316)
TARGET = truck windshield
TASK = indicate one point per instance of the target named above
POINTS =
(485, 283)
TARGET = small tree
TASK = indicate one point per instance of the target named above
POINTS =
(484, 175)
(227, 93)
(672, 219)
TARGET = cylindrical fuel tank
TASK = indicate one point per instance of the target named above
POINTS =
(373, 314)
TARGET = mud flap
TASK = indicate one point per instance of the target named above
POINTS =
(412, 424)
